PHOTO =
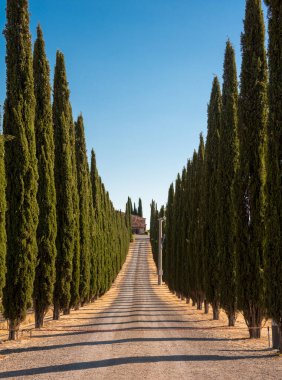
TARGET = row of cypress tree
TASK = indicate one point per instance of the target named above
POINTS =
(62, 243)
(224, 214)
(133, 209)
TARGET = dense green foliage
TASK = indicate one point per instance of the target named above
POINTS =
(140, 208)
(61, 240)
(21, 166)
(111, 232)
(128, 213)
(46, 195)
(223, 228)
(2, 217)
(84, 212)
(211, 256)
(227, 170)
(64, 186)
(251, 197)
(168, 242)
(75, 281)
(154, 230)
(273, 254)
(183, 246)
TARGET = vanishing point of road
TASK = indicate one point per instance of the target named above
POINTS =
(138, 330)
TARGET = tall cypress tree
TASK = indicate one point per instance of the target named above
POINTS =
(192, 232)
(273, 254)
(228, 166)
(21, 166)
(154, 230)
(46, 196)
(140, 209)
(168, 243)
(128, 210)
(200, 220)
(182, 235)
(176, 224)
(135, 212)
(75, 282)
(252, 174)
(211, 199)
(98, 248)
(64, 187)
(83, 192)
(92, 237)
(3, 237)
(188, 239)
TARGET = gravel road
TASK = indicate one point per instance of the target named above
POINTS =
(138, 330)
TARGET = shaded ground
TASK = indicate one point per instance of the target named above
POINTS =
(139, 330)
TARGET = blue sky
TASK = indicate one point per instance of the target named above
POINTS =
(140, 71)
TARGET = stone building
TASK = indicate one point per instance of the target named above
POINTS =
(138, 225)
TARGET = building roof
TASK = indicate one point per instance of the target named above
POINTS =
(138, 222)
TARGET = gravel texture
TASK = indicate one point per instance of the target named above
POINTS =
(139, 330)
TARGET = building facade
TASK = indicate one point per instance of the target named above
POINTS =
(138, 225)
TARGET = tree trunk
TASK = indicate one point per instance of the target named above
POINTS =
(231, 318)
(254, 332)
(215, 311)
(199, 302)
(254, 316)
(206, 306)
(280, 334)
(66, 311)
(193, 302)
(39, 318)
(199, 305)
(13, 329)
(56, 313)
(187, 300)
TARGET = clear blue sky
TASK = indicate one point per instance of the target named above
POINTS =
(140, 71)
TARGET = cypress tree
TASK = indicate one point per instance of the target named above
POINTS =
(211, 199)
(3, 236)
(21, 166)
(154, 230)
(192, 232)
(188, 239)
(92, 252)
(228, 166)
(182, 235)
(46, 196)
(195, 237)
(128, 210)
(273, 254)
(168, 243)
(200, 220)
(75, 282)
(176, 226)
(83, 191)
(130, 205)
(64, 188)
(140, 209)
(252, 174)
(98, 247)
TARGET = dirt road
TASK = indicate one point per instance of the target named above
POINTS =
(138, 331)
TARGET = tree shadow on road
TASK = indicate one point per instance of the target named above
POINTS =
(107, 342)
(80, 366)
